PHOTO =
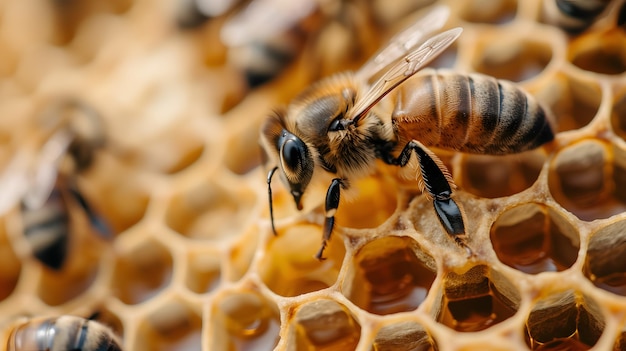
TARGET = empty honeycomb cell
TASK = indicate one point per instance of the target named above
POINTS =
(290, 267)
(203, 271)
(564, 321)
(241, 254)
(403, 336)
(10, 265)
(173, 326)
(604, 262)
(387, 277)
(493, 12)
(599, 52)
(209, 210)
(323, 325)
(79, 270)
(618, 112)
(573, 101)
(375, 201)
(241, 155)
(168, 155)
(588, 179)
(477, 300)
(511, 57)
(497, 176)
(243, 320)
(56, 288)
(121, 200)
(535, 238)
(141, 272)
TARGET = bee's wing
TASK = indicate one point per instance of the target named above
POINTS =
(404, 42)
(45, 174)
(14, 181)
(263, 19)
(403, 69)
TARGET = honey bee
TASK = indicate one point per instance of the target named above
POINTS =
(47, 192)
(335, 130)
(573, 16)
(62, 333)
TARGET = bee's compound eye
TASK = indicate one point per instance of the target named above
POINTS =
(293, 152)
(335, 125)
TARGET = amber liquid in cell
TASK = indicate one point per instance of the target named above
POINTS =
(262, 334)
(562, 344)
(398, 284)
(475, 313)
(615, 283)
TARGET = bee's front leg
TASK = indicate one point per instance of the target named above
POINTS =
(332, 202)
(436, 181)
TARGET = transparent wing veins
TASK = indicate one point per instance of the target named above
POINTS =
(403, 42)
(404, 69)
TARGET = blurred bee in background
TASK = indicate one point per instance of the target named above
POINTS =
(621, 16)
(573, 16)
(264, 37)
(61, 334)
(48, 191)
(335, 130)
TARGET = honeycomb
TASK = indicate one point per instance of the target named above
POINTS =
(194, 265)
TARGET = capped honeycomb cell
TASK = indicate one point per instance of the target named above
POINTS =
(209, 210)
(173, 326)
(387, 277)
(587, 179)
(600, 52)
(477, 300)
(203, 271)
(142, 272)
(292, 268)
(535, 238)
(498, 176)
(323, 325)
(243, 320)
(10, 265)
(604, 262)
(494, 12)
(573, 101)
(403, 336)
(511, 57)
(564, 321)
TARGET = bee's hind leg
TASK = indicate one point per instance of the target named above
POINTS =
(332, 202)
(436, 181)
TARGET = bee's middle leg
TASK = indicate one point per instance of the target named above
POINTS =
(437, 185)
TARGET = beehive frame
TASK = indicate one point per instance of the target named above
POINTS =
(194, 263)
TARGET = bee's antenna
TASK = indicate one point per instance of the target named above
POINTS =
(269, 193)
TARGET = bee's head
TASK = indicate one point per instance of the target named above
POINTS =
(294, 158)
(296, 163)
